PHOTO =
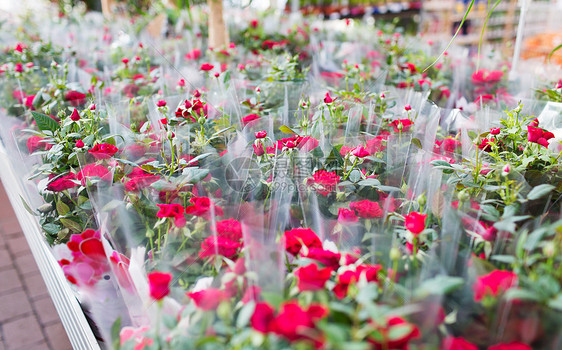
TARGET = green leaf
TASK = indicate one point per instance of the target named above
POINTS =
(417, 143)
(400, 331)
(508, 226)
(27, 208)
(454, 36)
(369, 182)
(245, 314)
(540, 191)
(286, 130)
(438, 285)
(169, 321)
(71, 225)
(62, 208)
(508, 259)
(521, 294)
(556, 303)
(440, 162)
(45, 123)
(553, 51)
(115, 329)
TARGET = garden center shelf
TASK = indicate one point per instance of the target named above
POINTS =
(70, 312)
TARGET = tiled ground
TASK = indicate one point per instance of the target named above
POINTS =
(28, 319)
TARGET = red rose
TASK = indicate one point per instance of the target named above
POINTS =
(138, 179)
(484, 99)
(538, 135)
(35, 143)
(263, 317)
(258, 149)
(415, 222)
(325, 257)
(62, 183)
(366, 209)
(79, 143)
(29, 102)
(407, 332)
(346, 215)
(202, 206)
(328, 99)
(495, 131)
(120, 264)
(103, 151)
(510, 346)
(360, 152)
(75, 98)
(217, 245)
(401, 125)
(161, 103)
(486, 144)
(493, 283)
(296, 238)
(251, 293)
(230, 229)
(75, 116)
(295, 323)
(449, 145)
(208, 299)
(324, 181)
(368, 272)
(159, 284)
(459, 343)
(311, 278)
(93, 170)
(307, 143)
(483, 77)
(173, 210)
(250, 118)
(261, 134)
(130, 90)
(207, 67)
(195, 54)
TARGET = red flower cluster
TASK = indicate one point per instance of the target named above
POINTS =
(89, 261)
(103, 151)
(493, 283)
(139, 179)
(292, 322)
(93, 170)
(173, 210)
(312, 278)
(208, 299)
(485, 77)
(324, 182)
(193, 109)
(227, 242)
(387, 340)
(296, 238)
(62, 183)
(349, 277)
(366, 209)
(305, 144)
(203, 207)
(75, 98)
(538, 135)
(401, 125)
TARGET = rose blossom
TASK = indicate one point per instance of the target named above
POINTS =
(325, 257)
(415, 222)
(159, 284)
(207, 67)
(62, 183)
(250, 118)
(79, 143)
(410, 332)
(360, 152)
(312, 278)
(328, 99)
(173, 210)
(346, 216)
(75, 98)
(401, 125)
(261, 134)
(324, 181)
(366, 209)
(208, 299)
(493, 283)
(103, 151)
(75, 116)
(217, 245)
(451, 343)
(202, 206)
(296, 238)
(93, 170)
(161, 103)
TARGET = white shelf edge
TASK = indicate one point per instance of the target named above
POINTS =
(72, 317)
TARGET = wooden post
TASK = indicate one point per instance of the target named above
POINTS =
(218, 35)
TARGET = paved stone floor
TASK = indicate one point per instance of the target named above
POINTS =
(28, 319)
